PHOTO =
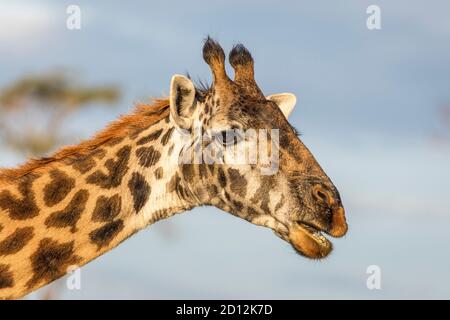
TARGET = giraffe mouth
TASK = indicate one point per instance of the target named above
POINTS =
(309, 241)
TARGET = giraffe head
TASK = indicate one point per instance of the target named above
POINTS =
(290, 193)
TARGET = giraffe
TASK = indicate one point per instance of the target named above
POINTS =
(67, 209)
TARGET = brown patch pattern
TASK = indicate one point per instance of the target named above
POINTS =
(114, 141)
(16, 241)
(116, 168)
(87, 163)
(238, 183)
(24, 208)
(166, 136)
(222, 178)
(51, 260)
(140, 190)
(148, 156)
(188, 172)
(169, 152)
(106, 209)
(103, 236)
(280, 203)
(174, 185)
(262, 193)
(159, 173)
(69, 216)
(151, 137)
(6, 277)
(58, 188)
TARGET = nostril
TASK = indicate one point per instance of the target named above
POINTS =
(321, 194)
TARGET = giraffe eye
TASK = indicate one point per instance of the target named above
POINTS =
(230, 137)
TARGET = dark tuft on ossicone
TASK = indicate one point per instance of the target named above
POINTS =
(239, 55)
(213, 52)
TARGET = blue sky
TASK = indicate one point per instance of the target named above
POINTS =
(368, 106)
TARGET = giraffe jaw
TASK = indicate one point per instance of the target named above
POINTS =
(309, 241)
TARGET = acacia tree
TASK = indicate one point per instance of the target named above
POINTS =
(34, 109)
(33, 114)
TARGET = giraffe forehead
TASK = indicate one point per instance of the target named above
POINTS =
(246, 111)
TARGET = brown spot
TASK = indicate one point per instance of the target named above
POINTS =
(140, 190)
(20, 208)
(152, 136)
(98, 154)
(104, 235)
(160, 214)
(237, 205)
(69, 216)
(222, 178)
(227, 196)
(136, 132)
(159, 173)
(262, 193)
(169, 152)
(116, 168)
(148, 156)
(58, 188)
(174, 185)
(280, 203)
(16, 241)
(203, 171)
(238, 183)
(213, 191)
(211, 168)
(106, 209)
(251, 214)
(188, 172)
(166, 136)
(51, 260)
(6, 277)
(114, 141)
(86, 163)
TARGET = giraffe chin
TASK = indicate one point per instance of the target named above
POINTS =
(309, 242)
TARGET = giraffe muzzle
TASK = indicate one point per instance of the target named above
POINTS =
(309, 241)
(339, 225)
(330, 198)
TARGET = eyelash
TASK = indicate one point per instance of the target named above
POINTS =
(230, 133)
(296, 132)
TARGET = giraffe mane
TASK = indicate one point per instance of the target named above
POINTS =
(143, 116)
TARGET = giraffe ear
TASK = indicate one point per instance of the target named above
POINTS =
(285, 101)
(182, 101)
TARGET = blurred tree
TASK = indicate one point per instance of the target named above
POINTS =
(34, 109)
(33, 114)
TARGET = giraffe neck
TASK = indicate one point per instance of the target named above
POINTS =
(78, 208)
